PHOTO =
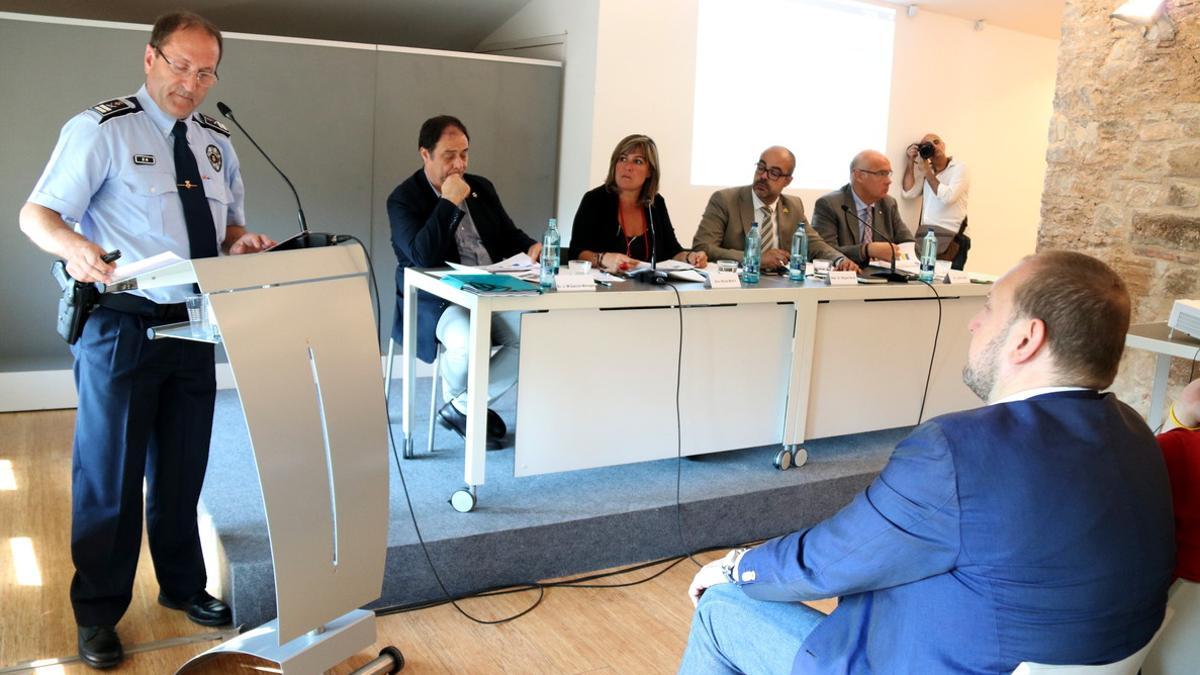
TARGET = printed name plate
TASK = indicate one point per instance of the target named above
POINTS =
(722, 280)
(574, 282)
(957, 277)
(837, 278)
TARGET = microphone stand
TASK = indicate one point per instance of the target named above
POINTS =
(652, 275)
(893, 275)
(303, 238)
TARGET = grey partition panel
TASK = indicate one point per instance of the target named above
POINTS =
(512, 113)
(50, 73)
(310, 107)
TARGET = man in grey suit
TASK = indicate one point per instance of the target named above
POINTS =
(726, 220)
(840, 217)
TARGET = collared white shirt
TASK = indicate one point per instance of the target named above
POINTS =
(758, 205)
(948, 206)
(1037, 391)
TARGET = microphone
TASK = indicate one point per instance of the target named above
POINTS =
(893, 275)
(652, 275)
(304, 238)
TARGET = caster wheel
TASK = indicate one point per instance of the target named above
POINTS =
(462, 501)
(799, 457)
(783, 460)
(397, 658)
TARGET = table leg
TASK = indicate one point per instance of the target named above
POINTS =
(1158, 394)
(477, 394)
(408, 369)
(795, 419)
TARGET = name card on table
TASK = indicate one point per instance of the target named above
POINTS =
(574, 282)
(941, 268)
(837, 278)
(957, 277)
(722, 280)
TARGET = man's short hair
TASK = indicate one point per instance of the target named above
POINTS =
(168, 24)
(434, 127)
(1085, 307)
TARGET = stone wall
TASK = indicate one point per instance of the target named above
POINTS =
(1123, 176)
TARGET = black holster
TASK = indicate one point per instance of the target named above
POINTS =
(76, 303)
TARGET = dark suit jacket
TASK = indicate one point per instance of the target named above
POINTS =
(840, 229)
(597, 229)
(726, 222)
(1037, 530)
(423, 228)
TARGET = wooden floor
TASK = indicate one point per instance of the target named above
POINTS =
(641, 629)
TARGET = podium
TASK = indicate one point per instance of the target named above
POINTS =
(299, 331)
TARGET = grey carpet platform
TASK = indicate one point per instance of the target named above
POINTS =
(525, 529)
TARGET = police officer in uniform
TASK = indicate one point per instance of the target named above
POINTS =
(143, 174)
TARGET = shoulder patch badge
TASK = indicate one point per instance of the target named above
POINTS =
(116, 108)
(143, 160)
(214, 157)
(211, 123)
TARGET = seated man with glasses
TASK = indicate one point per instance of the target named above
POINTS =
(860, 218)
(726, 220)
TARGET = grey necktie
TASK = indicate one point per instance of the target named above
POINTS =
(766, 228)
(868, 216)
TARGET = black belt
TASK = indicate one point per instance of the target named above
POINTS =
(137, 305)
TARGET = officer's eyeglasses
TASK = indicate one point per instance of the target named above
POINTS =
(204, 78)
(773, 172)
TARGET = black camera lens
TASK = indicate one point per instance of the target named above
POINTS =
(925, 150)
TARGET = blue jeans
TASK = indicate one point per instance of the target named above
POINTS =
(734, 633)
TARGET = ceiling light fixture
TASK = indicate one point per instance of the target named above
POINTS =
(1151, 15)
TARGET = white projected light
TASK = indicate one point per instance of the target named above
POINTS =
(813, 75)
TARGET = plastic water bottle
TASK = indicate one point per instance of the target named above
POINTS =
(928, 255)
(750, 259)
(550, 247)
(797, 266)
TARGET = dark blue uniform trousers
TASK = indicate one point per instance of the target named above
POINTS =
(145, 410)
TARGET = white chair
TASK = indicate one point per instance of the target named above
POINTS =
(1178, 650)
(433, 390)
(1126, 666)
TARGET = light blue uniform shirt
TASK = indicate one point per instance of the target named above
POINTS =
(112, 176)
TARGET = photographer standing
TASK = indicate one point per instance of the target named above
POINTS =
(943, 184)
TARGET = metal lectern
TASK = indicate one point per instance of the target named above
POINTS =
(299, 332)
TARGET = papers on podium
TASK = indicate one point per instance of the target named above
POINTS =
(162, 268)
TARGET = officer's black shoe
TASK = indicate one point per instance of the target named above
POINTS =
(99, 646)
(457, 422)
(201, 608)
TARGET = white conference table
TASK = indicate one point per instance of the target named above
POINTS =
(1157, 338)
(775, 362)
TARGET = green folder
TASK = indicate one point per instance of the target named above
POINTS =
(492, 284)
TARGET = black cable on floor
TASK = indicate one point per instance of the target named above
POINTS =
(679, 432)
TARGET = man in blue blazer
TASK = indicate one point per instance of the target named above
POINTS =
(443, 214)
(1035, 528)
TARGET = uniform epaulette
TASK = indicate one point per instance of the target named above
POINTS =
(115, 108)
(211, 123)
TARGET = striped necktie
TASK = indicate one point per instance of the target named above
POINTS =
(868, 216)
(766, 228)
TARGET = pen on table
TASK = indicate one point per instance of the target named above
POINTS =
(603, 283)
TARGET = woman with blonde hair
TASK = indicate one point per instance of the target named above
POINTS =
(613, 225)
